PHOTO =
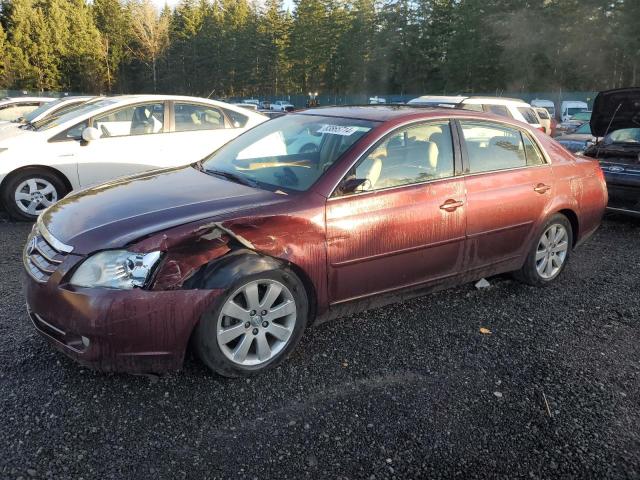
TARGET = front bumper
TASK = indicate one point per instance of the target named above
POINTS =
(135, 331)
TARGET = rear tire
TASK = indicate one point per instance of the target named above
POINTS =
(549, 253)
(236, 338)
(26, 194)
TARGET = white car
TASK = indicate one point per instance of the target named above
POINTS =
(505, 107)
(548, 105)
(14, 108)
(281, 106)
(110, 138)
(57, 107)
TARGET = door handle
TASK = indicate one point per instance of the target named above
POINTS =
(451, 204)
(541, 188)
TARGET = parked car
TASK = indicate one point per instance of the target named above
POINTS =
(109, 138)
(504, 107)
(282, 106)
(377, 100)
(574, 122)
(248, 106)
(14, 108)
(239, 252)
(615, 122)
(569, 108)
(548, 105)
(545, 119)
(48, 109)
(579, 140)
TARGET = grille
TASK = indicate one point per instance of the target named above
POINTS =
(41, 259)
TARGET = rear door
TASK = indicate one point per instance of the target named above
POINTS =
(508, 184)
(405, 226)
(203, 128)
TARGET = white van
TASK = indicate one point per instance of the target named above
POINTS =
(548, 105)
(570, 108)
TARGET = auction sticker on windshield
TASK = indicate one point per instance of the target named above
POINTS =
(338, 130)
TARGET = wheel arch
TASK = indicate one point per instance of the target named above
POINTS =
(575, 223)
(54, 171)
(223, 272)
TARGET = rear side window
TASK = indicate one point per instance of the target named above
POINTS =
(472, 106)
(542, 113)
(529, 115)
(533, 154)
(237, 119)
(497, 110)
(189, 117)
(492, 146)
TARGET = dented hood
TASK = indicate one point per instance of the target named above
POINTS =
(615, 109)
(116, 213)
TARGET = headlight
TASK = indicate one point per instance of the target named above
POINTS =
(115, 269)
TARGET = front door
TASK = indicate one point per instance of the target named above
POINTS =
(405, 224)
(509, 185)
(133, 140)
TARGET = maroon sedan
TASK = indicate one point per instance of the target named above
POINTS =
(303, 218)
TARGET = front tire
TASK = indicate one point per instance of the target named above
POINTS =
(29, 192)
(549, 254)
(255, 325)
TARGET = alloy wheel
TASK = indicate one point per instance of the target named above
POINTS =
(552, 251)
(256, 322)
(34, 195)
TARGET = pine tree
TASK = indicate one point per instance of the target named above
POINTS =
(150, 33)
(111, 19)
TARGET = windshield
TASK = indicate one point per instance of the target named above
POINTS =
(289, 152)
(582, 116)
(584, 128)
(50, 122)
(572, 111)
(41, 109)
(625, 135)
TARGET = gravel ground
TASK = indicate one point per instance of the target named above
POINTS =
(412, 390)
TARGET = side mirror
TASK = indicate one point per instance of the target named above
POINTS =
(353, 185)
(89, 134)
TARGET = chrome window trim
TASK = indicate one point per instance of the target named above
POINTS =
(53, 241)
(406, 124)
(463, 174)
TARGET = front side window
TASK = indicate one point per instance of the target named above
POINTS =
(411, 155)
(190, 117)
(529, 115)
(132, 120)
(492, 146)
(289, 152)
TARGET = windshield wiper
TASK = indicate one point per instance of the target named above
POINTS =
(230, 176)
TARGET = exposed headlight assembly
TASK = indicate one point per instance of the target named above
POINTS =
(115, 269)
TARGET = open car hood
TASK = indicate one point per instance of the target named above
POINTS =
(615, 109)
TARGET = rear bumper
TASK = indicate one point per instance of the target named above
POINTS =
(624, 192)
(133, 331)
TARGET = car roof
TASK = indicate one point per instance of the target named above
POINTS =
(27, 99)
(384, 113)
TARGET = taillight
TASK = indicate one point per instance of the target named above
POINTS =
(542, 129)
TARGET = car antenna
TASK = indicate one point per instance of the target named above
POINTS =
(606, 132)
